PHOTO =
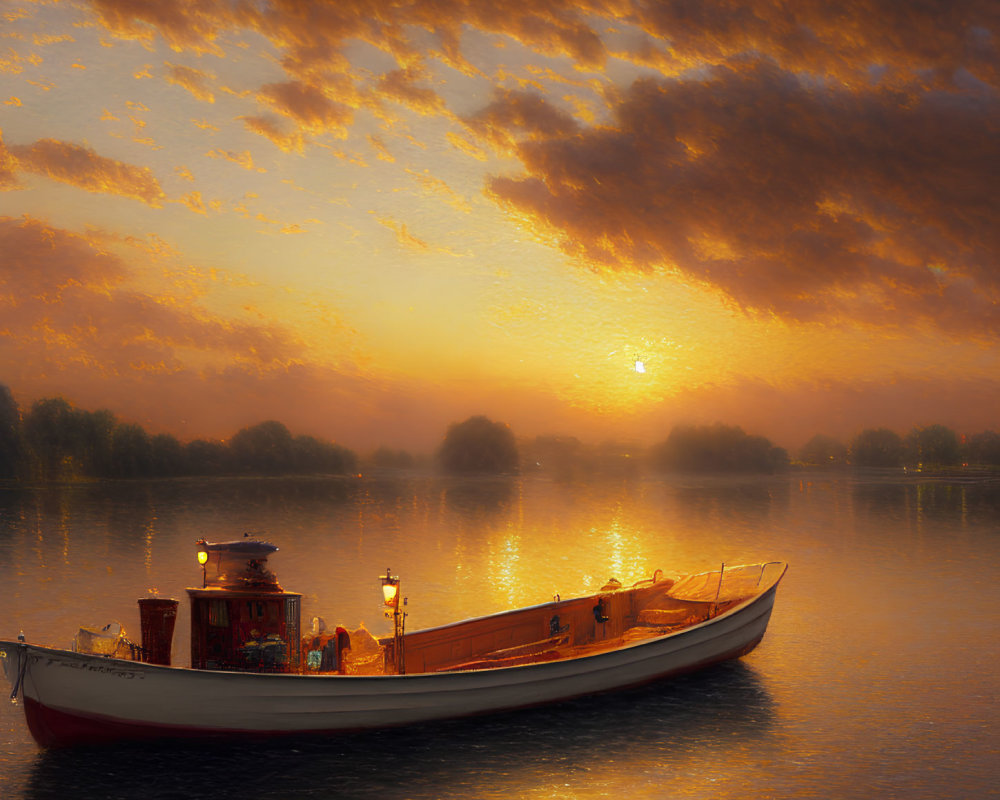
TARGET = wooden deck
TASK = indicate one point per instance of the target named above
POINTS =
(556, 630)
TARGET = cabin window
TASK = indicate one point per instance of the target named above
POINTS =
(218, 613)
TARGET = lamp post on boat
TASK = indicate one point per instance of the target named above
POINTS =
(203, 560)
(390, 593)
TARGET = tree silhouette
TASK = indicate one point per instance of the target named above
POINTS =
(984, 448)
(478, 445)
(823, 451)
(207, 458)
(264, 448)
(11, 450)
(131, 452)
(877, 447)
(96, 431)
(55, 441)
(934, 445)
(51, 433)
(312, 456)
(717, 448)
(270, 449)
(169, 456)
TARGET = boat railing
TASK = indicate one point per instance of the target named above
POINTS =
(764, 566)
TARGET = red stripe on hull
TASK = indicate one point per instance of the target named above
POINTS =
(52, 728)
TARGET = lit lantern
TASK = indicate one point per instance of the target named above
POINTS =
(390, 589)
(390, 593)
(203, 560)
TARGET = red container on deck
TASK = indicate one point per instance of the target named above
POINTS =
(157, 616)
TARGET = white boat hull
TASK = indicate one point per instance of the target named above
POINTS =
(74, 697)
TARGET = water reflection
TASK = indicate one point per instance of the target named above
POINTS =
(750, 500)
(922, 499)
(661, 726)
(482, 497)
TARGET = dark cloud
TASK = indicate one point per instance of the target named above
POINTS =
(938, 38)
(521, 116)
(794, 196)
(943, 43)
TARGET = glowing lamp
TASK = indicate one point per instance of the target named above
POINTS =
(390, 592)
(390, 589)
(202, 557)
(640, 366)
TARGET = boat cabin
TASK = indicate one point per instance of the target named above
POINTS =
(241, 618)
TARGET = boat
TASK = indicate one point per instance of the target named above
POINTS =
(255, 672)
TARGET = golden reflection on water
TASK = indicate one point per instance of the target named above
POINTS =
(627, 553)
(503, 568)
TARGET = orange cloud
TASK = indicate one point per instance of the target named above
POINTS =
(195, 81)
(400, 85)
(194, 202)
(791, 197)
(437, 186)
(8, 168)
(13, 62)
(65, 299)
(42, 40)
(290, 142)
(82, 167)
(307, 105)
(184, 24)
(403, 236)
(380, 149)
(244, 159)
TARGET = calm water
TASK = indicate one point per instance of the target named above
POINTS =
(878, 677)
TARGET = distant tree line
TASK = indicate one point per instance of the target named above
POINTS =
(930, 446)
(54, 441)
(480, 445)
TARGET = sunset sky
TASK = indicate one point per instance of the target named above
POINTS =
(370, 219)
